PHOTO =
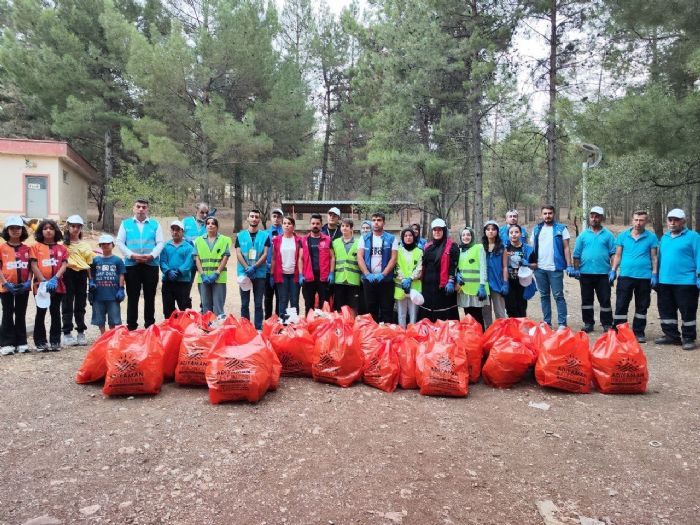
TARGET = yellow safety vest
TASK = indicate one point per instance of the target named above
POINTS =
(346, 269)
(470, 269)
(210, 258)
(407, 262)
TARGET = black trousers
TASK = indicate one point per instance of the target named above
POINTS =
(379, 299)
(516, 304)
(626, 288)
(175, 293)
(270, 294)
(141, 276)
(312, 288)
(600, 285)
(362, 308)
(74, 300)
(13, 331)
(346, 295)
(55, 328)
(477, 312)
(674, 298)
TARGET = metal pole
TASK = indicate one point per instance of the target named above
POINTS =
(584, 194)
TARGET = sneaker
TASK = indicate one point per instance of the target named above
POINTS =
(641, 338)
(81, 340)
(23, 349)
(688, 345)
(42, 347)
(665, 340)
(69, 340)
(7, 350)
(588, 328)
(55, 347)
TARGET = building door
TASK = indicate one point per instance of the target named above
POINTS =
(37, 196)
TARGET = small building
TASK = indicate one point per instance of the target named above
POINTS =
(43, 179)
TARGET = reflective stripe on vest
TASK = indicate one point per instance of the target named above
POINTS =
(406, 263)
(211, 258)
(141, 242)
(469, 267)
(245, 243)
(347, 270)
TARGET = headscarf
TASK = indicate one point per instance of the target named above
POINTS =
(408, 247)
(464, 247)
(368, 223)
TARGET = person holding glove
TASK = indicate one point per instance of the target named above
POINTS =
(409, 267)
(472, 276)
(440, 257)
(212, 252)
(106, 288)
(16, 282)
(519, 256)
(176, 265)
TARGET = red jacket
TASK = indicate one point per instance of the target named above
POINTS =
(444, 262)
(15, 263)
(324, 257)
(277, 257)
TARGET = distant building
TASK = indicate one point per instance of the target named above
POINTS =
(43, 179)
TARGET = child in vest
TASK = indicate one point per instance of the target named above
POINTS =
(76, 279)
(15, 282)
(107, 286)
(409, 267)
(48, 262)
(472, 276)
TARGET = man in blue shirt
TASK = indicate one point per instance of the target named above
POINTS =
(679, 281)
(511, 219)
(270, 289)
(176, 261)
(636, 258)
(594, 248)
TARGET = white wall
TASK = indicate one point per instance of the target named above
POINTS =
(12, 184)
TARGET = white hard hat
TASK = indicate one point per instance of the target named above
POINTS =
(245, 283)
(334, 210)
(598, 209)
(178, 224)
(416, 297)
(676, 213)
(278, 211)
(13, 220)
(105, 239)
(438, 223)
(525, 276)
(75, 219)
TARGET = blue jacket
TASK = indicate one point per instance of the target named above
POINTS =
(494, 263)
(387, 243)
(278, 230)
(558, 243)
(177, 258)
(679, 258)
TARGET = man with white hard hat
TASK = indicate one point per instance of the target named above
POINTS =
(592, 262)
(332, 227)
(176, 262)
(679, 281)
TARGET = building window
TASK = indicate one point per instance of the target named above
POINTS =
(65, 177)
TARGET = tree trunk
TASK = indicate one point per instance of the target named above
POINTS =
(658, 217)
(108, 212)
(478, 167)
(326, 146)
(237, 199)
(697, 207)
(551, 112)
(690, 201)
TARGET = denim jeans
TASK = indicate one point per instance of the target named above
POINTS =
(551, 280)
(213, 297)
(287, 294)
(258, 298)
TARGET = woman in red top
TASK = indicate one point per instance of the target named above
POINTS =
(15, 282)
(48, 261)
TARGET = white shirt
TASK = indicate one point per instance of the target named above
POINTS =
(375, 261)
(288, 253)
(121, 238)
(545, 247)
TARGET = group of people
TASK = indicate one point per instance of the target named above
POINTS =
(394, 279)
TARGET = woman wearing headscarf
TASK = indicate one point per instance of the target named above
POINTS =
(439, 264)
(519, 255)
(409, 266)
(497, 263)
(472, 276)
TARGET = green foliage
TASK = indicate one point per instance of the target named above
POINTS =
(165, 197)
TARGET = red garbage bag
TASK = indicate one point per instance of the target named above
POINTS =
(619, 363)
(335, 358)
(471, 336)
(269, 325)
(382, 369)
(170, 338)
(245, 330)
(192, 360)
(507, 363)
(241, 372)
(406, 349)
(441, 367)
(564, 362)
(134, 363)
(94, 365)
(422, 330)
(183, 318)
(294, 347)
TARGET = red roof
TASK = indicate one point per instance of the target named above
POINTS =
(48, 148)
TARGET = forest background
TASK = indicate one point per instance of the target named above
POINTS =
(436, 102)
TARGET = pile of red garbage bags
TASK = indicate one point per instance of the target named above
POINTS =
(237, 363)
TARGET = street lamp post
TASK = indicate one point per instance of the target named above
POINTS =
(593, 157)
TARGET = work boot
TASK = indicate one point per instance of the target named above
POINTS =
(81, 340)
(688, 345)
(588, 328)
(666, 340)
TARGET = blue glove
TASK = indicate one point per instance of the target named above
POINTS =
(654, 279)
(250, 272)
(7, 285)
(450, 287)
(459, 279)
(331, 278)
(52, 284)
(91, 284)
(505, 289)
(120, 295)
(272, 281)
(301, 279)
(571, 271)
(612, 275)
(171, 275)
(406, 284)
(481, 293)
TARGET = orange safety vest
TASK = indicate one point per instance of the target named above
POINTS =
(49, 258)
(15, 263)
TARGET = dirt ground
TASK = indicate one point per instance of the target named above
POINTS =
(314, 453)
